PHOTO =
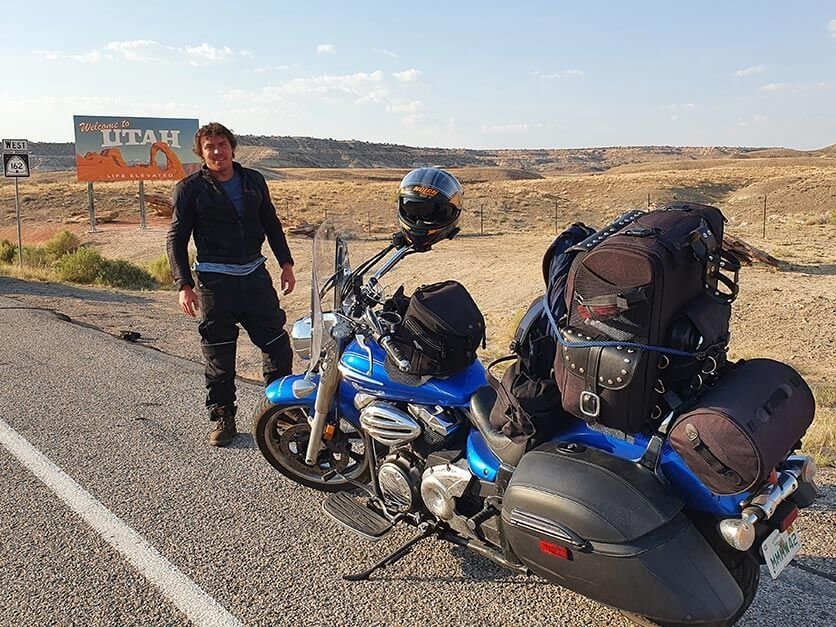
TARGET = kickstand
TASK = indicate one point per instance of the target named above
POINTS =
(393, 557)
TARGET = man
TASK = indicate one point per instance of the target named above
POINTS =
(227, 208)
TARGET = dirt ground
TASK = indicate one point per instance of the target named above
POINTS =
(787, 314)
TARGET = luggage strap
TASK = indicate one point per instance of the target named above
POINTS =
(709, 458)
(603, 343)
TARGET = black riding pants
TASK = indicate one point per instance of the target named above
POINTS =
(252, 302)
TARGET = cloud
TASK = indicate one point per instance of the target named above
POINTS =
(148, 51)
(560, 74)
(204, 53)
(269, 68)
(94, 56)
(407, 76)
(410, 107)
(362, 86)
(326, 49)
(141, 50)
(776, 87)
(755, 69)
(52, 55)
(831, 26)
(511, 128)
(389, 53)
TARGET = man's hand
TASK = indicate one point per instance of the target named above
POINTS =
(288, 279)
(188, 301)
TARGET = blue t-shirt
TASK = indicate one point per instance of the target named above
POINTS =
(235, 190)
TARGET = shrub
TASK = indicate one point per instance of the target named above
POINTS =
(62, 244)
(82, 266)
(124, 274)
(160, 269)
(8, 251)
(36, 257)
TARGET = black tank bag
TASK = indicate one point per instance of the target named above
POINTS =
(442, 329)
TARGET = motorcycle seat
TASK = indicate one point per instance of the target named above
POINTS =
(505, 449)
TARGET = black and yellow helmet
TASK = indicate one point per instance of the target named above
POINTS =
(429, 206)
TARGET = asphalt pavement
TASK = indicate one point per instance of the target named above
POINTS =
(115, 511)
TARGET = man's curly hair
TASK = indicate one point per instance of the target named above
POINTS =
(213, 129)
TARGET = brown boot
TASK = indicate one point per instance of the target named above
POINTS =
(224, 432)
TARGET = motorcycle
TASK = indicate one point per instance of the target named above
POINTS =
(621, 520)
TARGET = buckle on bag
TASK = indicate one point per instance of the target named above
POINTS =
(590, 404)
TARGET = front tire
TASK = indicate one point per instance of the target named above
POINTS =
(282, 433)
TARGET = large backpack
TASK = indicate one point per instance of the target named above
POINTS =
(647, 315)
(528, 400)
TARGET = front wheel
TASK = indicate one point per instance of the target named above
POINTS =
(282, 433)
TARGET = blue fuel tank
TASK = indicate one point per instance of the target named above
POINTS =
(451, 391)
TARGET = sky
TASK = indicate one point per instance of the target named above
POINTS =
(524, 74)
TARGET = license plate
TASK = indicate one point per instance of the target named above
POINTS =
(779, 549)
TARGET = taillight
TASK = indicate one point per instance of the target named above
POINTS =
(556, 550)
(789, 519)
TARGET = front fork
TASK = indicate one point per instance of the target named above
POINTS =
(329, 381)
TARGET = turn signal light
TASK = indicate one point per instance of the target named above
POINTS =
(808, 470)
(553, 549)
(738, 533)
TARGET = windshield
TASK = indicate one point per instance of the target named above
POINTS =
(330, 254)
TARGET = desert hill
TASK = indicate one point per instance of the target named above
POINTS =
(271, 153)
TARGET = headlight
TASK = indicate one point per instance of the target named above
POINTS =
(300, 337)
(300, 334)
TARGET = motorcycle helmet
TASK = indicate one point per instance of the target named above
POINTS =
(429, 206)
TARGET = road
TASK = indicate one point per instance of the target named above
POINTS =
(114, 511)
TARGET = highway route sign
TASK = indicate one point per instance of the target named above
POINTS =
(15, 165)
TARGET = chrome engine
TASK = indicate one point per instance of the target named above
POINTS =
(411, 437)
(388, 425)
(441, 484)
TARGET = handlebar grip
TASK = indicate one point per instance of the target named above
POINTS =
(395, 353)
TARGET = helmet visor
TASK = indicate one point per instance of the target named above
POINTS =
(428, 211)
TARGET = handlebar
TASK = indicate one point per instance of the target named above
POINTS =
(385, 340)
(394, 351)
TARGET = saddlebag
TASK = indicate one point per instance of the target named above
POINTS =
(610, 530)
(744, 425)
(442, 328)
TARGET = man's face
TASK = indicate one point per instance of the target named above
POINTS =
(217, 153)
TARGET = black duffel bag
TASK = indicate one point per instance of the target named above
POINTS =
(744, 425)
(441, 330)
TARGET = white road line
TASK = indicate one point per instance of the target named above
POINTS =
(189, 598)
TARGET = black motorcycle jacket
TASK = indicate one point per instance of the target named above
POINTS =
(202, 209)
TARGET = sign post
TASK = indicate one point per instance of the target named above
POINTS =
(142, 223)
(16, 165)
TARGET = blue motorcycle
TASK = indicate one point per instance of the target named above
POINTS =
(621, 520)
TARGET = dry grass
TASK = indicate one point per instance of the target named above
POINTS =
(789, 316)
